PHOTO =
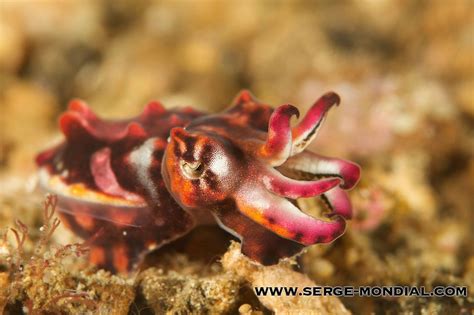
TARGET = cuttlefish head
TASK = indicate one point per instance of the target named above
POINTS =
(221, 159)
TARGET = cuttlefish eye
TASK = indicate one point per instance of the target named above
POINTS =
(199, 168)
(192, 170)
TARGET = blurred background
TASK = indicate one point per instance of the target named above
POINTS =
(404, 70)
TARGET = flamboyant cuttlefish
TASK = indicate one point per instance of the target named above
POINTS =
(134, 185)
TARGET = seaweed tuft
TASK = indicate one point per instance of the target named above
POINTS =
(42, 277)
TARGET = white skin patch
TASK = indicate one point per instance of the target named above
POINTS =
(220, 166)
(315, 166)
(141, 160)
(255, 196)
(326, 167)
(60, 165)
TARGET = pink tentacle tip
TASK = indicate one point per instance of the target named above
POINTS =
(331, 98)
(351, 175)
(279, 123)
(288, 110)
(339, 203)
(327, 232)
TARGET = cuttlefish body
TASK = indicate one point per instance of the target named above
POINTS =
(133, 185)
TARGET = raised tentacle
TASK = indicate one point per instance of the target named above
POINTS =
(283, 218)
(277, 148)
(291, 188)
(313, 163)
(307, 129)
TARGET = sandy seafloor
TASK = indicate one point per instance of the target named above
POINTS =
(404, 70)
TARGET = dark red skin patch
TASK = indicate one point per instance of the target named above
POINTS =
(136, 240)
